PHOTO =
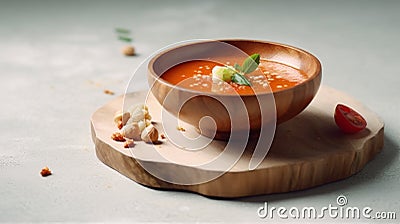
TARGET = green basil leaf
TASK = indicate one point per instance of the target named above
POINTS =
(122, 30)
(237, 67)
(251, 64)
(240, 79)
(126, 39)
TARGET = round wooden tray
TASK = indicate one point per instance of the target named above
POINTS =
(307, 151)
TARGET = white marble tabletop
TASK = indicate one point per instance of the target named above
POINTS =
(57, 57)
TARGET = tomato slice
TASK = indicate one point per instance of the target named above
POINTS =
(349, 120)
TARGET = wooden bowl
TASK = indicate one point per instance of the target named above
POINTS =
(288, 102)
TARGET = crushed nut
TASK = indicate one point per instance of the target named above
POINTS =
(121, 118)
(118, 137)
(147, 116)
(120, 125)
(128, 50)
(137, 114)
(163, 136)
(132, 131)
(150, 134)
(180, 128)
(129, 143)
(142, 125)
(135, 124)
(45, 172)
(109, 92)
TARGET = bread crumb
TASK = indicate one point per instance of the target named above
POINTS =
(45, 172)
(109, 92)
(128, 50)
(120, 125)
(180, 128)
(129, 143)
(118, 137)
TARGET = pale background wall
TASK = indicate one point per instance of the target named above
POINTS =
(56, 57)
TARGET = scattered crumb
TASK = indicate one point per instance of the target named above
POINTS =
(118, 137)
(180, 128)
(45, 172)
(120, 125)
(129, 143)
(163, 136)
(128, 50)
(97, 84)
(109, 92)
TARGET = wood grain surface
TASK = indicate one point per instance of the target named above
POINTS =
(307, 151)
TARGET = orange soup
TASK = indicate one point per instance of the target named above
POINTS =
(197, 75)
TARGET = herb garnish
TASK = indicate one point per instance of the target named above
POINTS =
(250, 64)
(237, 73)
(124, 34)
(240, 79)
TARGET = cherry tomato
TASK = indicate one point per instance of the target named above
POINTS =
(349, 120)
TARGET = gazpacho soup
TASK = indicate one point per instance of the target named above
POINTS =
(254, 75)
